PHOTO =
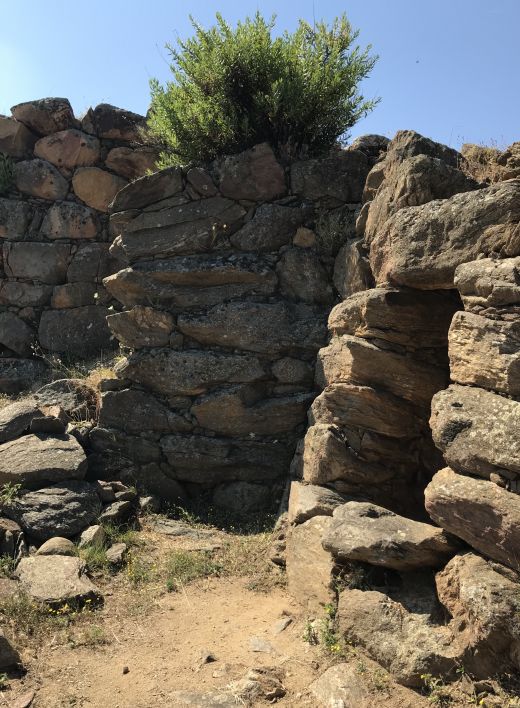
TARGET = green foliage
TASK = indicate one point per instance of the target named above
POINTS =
(185, 566)
(8, 493)
(6, 173)
(235, 87)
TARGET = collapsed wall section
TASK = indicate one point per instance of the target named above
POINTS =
(55, 233)
(226, 294)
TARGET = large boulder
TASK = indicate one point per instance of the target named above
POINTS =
(134, 411)
(115, 123)
(347, 405)
(360, 531)
(38, 178)
(313, 589)
(46, 115)
(15, 139)
(490, 285)
(333, 180)
(63, 509)
(131, 164)
(309, 500)
(76, 398)
(18, 220)
(269, 328)
(148, 189)
(354, 360)
(477, 431)
(420, 247)
(16, 334)
(398, 631)
(44, 262)
(243, 410)
(253, 174)
(56, 580)
(36, 460)
(411, 182)
(79, 331)
(211, 460)
(272, 227)
(96, 187)
(465, 506)
(69, 220)
(303, 277)
(20, 374)
(485, 352)
(408, 318)
(141, 327)
(188, 372)
(16, 418)
(68, 149)
(352, 272)
(482, 597)
(328, 456)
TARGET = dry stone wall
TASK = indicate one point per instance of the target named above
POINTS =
(54, 228)
(226, 293)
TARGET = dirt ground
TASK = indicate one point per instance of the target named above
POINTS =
(146, 643)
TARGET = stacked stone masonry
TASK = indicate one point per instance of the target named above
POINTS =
(55, 232)
(226, 292)
(425, 555)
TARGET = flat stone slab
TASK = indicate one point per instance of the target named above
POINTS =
(56, 580)
(16, 418)
(361, 531)
(36, 460)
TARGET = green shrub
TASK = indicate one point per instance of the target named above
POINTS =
(235, 87)
(6, 173)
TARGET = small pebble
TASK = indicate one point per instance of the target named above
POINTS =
(126, 670)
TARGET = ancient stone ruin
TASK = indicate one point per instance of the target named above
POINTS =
(336, 338)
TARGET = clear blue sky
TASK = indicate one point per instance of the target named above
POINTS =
(449, 69)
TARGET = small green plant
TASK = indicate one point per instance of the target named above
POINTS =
(235, 87)
(328, 635)
(310, 635)
(8, 493)
(95, 557)
(6, 173)
(4, 681)
(437, 691)
(7, 566)
(138, 570)
(183, 567)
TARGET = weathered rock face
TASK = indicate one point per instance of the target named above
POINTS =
(332, 181)
(480, 512)
(490, 287)
(420, 247)
(142, 327)
(461, 429)
(63, 330)
(96, 187)
(39, 178)
(68, 149)
(365, 532)
(36, 460)
(15, 139)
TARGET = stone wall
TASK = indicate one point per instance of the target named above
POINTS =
(54, 227)
(419, 598)
(226, 294)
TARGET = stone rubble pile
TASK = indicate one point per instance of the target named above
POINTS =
(421, 599)
(55, 233)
